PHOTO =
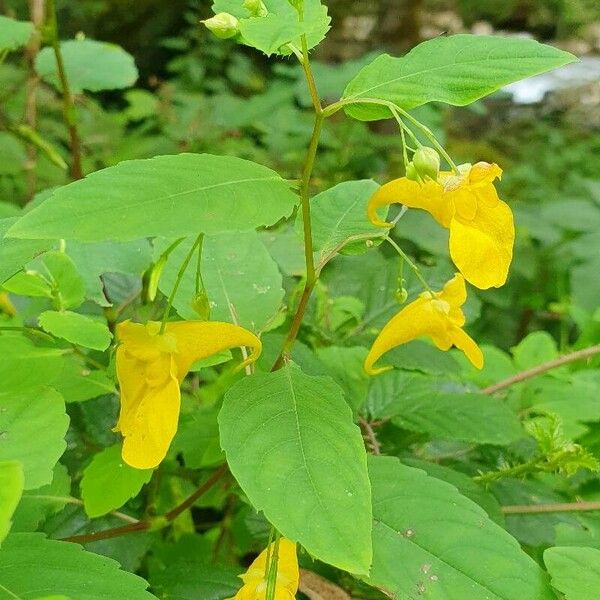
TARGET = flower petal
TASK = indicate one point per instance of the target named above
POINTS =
(429, 196)
(413, 321)
(482, 173)
(200, 339)
(464, 342)
(482, 248)
(149, 413)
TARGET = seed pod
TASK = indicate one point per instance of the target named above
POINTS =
(223, 25)
(201, 305)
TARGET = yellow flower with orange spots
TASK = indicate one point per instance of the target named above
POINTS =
(437, 316)
(288, 575)
(151, 366)
(481, 225)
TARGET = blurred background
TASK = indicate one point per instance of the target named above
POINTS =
(196, 93)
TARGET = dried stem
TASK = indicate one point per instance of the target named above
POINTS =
(147, 524)
(524, 509)
(542, 368)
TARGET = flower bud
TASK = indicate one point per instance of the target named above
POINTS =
(401, 295)
(256, 8)
(201, 305)
(427, 163)
(411, 173)
(223, 25)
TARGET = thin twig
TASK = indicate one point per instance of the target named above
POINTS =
(370, 435)
(146, 524)
(524, 509)
(70, 115)
(542, 368)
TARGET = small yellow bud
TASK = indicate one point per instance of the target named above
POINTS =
(256, 8)
(426, 162)
(223, 25)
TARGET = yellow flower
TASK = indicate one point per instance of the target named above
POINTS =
(482, 231)
(438, 316)
(255, 583)
(150, 367)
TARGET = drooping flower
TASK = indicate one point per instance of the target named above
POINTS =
(288, 575)
(437, 316)
(150, 368)
(481, 225)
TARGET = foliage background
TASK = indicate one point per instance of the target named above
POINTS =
(199, 94)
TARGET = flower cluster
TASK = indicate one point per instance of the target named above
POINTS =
(481, 243)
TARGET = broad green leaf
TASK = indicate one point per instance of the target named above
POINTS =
(169, 196)
(441, 409)
(339, 216)
(89, 65)
(11, 488)
(575, 571)
(15, 254)
(33, 426)
(419, 355)
(463, 483)
(291, 444)
(67, 285)
(37, 505)
(456, 69)
(76, 328)
(197, 439)
(430, 541)
(33, 564)
(77, 382)
(25, 365)
(14, 34)
(270, 32)
(97, 258)
(345, 365)
(108, 482)
(186, 571)
(242, 281)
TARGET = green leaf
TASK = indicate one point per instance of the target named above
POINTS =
(11, 488)
(14, 34)
(77, 383)
(15, 254)
(536, 348)
(339, 215)
(291, 444)
(186, 571)
(456, 69)
(37, 505)
(97, 258)
(33, 564)
(75, 328)
(242, 281)
(430, 541)
(33, 426)
(271, 33)
(25, 366)
(441, 409)
(575, 571)
(169, 196)
(108, 482)
(67, 285)
(89, 65)
(197, 439)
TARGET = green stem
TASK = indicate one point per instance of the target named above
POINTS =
(182, 269)
(337, 106)
(410, 263)
(69, 112)
(272, 569)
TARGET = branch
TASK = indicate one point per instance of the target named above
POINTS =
(524, 509)
(543, 368)
(370, 436)
(68, 104)
(147, 524)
